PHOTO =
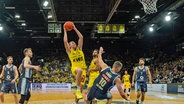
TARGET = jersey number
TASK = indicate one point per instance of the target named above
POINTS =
(83, 78)
(102, 82)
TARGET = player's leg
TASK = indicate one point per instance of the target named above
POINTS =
(27, 97)
(2, 97)
(2, 93)
(23, 87)
(109, 101)
(143, 90)
(90, 95)
(78, 72)
(128, 93)
(138, 92)
(142, 97)
(14, 91)
(16, 98)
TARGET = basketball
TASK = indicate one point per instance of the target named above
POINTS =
(68, 25)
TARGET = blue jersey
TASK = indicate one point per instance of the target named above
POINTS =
(26, 72)
(8, 73)
(141, 75)
(105, 81)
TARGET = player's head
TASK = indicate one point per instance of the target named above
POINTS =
(126, 72)
(72, 45)
(141, 61)
(95, 53)
(28, 52)
(10, 59)
(117, 66)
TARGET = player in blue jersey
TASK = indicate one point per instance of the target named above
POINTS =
(25, 77)
(106, 80)
(9, 75)
(140, 76)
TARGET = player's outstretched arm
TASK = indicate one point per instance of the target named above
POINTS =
(80, 41)
(100, 60)
(120, 89)
(133, 77)
(27, 65)
(2, 73)
(65, 40)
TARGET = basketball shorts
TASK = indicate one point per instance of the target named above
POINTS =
(23, 86)
(9, 87)
(94, 93)
(91, 81)
(141, 86)
(83, 80)
(126, 85)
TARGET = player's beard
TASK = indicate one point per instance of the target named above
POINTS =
(95, 55)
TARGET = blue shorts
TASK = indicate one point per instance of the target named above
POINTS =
(94, 93)
(9, 87)
(141, 86)
(23, 86)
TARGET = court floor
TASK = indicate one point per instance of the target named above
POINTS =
(67, 97)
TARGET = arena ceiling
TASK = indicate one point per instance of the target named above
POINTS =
(33, 20)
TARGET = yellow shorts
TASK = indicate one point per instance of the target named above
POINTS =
(127, 85)
(91, 81)
(83, 80)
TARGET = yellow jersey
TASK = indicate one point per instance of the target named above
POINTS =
(93, 66)
(77, 58)
(126, 79)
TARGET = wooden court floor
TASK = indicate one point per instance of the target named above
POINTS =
(67, 97)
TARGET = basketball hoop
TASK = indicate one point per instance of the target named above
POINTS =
(150, 6)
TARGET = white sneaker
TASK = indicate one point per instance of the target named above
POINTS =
(142, 103)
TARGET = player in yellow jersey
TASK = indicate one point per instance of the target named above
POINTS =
(94, 69)
(127, 84)
(78, 64)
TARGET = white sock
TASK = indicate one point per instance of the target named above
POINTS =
(78, 87)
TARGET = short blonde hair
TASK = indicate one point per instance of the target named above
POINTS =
(26, 50)
(117, 64)
(9, 57)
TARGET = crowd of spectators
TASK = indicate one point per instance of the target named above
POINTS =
(165, 68)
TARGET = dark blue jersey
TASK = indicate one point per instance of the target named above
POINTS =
(8, 73)
(26, 72)
(105, 81)
(141, 75)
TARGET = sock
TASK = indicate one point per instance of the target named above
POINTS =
(78, 88)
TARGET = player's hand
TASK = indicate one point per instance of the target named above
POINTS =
(133, 84)
(13, 81)
(64, 27)
(74, 26)
(38, 68)
(101, 50)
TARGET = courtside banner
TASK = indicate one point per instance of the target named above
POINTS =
(51, 86)
(157, 87)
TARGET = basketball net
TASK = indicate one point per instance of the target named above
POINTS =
(150, 6)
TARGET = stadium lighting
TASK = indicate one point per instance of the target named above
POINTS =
(49, 16)
(137, 17)
(151, 29)
(152, 25)
(167, 18)
(169, 13)
(17, 16)
(1, 28)
(23, 24)
(45, 4)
